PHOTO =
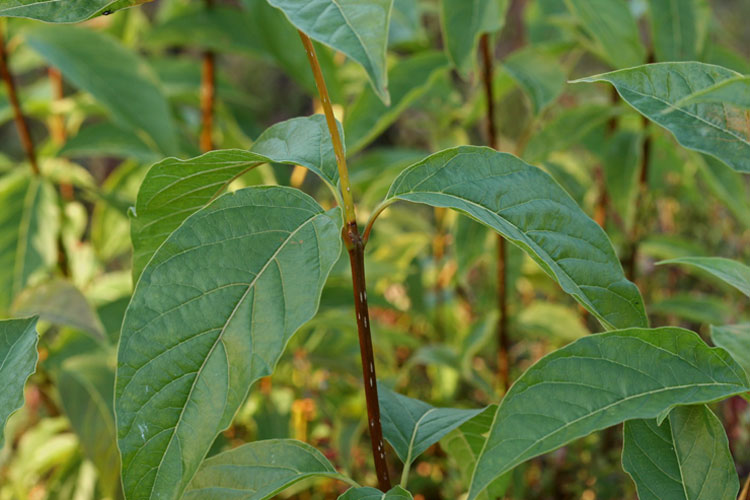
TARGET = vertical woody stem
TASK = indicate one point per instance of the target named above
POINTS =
(10, 85)
(355, 247)
(503, 365)
(208, 96)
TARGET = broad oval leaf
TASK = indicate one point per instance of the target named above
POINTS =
(679, 29)
(526, 206)
(395, 493)
(124, 83)
(211, 314)
(356, 28)
(412, 426)
(599, 381)
(463, 22)
(655, 91)
(18, 359)
(173, 188)
(63, 11)
(729, 271)
(29, 224)
(685, 458)
(613, 30)
(259, 470)
(735, 339)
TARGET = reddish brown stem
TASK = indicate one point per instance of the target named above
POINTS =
(356, 248)
(631, 263)
(23, 128)
(208, 96)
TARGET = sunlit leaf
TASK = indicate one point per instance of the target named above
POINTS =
(685, 458)
(259, 470)
(599, 381)
(729, 271)
(18, 358)
(718, 129)
(211, 314)
(463, 22)
(526, 206)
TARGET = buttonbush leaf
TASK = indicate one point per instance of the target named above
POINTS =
(125, 84)
(412, 426)
(357, 28)
(211, 314)
(599, 381)
(729, 271)
(395, 493)
(678, 29)
(735, 339)
(655, 90)
(685, 458)
(526, 206)
(734, 90)
(63, 11)
(258, 470)
(173, 188)
(539, 74)
(18, 359)
(463, 22)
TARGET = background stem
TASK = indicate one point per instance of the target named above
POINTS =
(355, 247)
(208, 96)
(23, 128)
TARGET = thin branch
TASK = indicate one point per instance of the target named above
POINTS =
(208, 96)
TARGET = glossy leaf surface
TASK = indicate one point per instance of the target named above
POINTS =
(211, 314)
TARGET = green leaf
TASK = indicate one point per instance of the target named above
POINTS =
(729, 271)
(86, 384)
(259, 470)
(539, 74)
(106, 139)
(736, 340)
(356, 28)
(526, 206)
(409, 79)
(599, 381)
(685, 458)
(61, 303)
(654, 90)
(412, 426)
(621, 159)
(678, 28)
(211, 314)
(465, 444)
(728, 186)
(554, 322)
(63, 11)
(124, 82)
(613, 30)
(18, 359)
(29, 224)
(395, 493)
(173, 189)
(734, 90)
(463, 22)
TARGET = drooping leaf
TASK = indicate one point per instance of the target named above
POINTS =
(124, 82)
(173, 189)
(685, 458)
(526, 206)
(211, 314)
(358, 29)
(59, 302)
(29, 224)
(412, 426)
(18, 358)
(729, 271)
(599, 381)
(106, 139)
(63, 11)
(259, 470)
(539, 74)
(735, 339)
(409, 79)
(465, 444)
(395, 493)
(654, 90)
(86, 384)
(463, 22)
(678, 28)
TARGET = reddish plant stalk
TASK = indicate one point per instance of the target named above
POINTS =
(355, 247)
(208, 96)
(503, 364)
(23, 128)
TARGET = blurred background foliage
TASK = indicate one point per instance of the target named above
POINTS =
(108, 98)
